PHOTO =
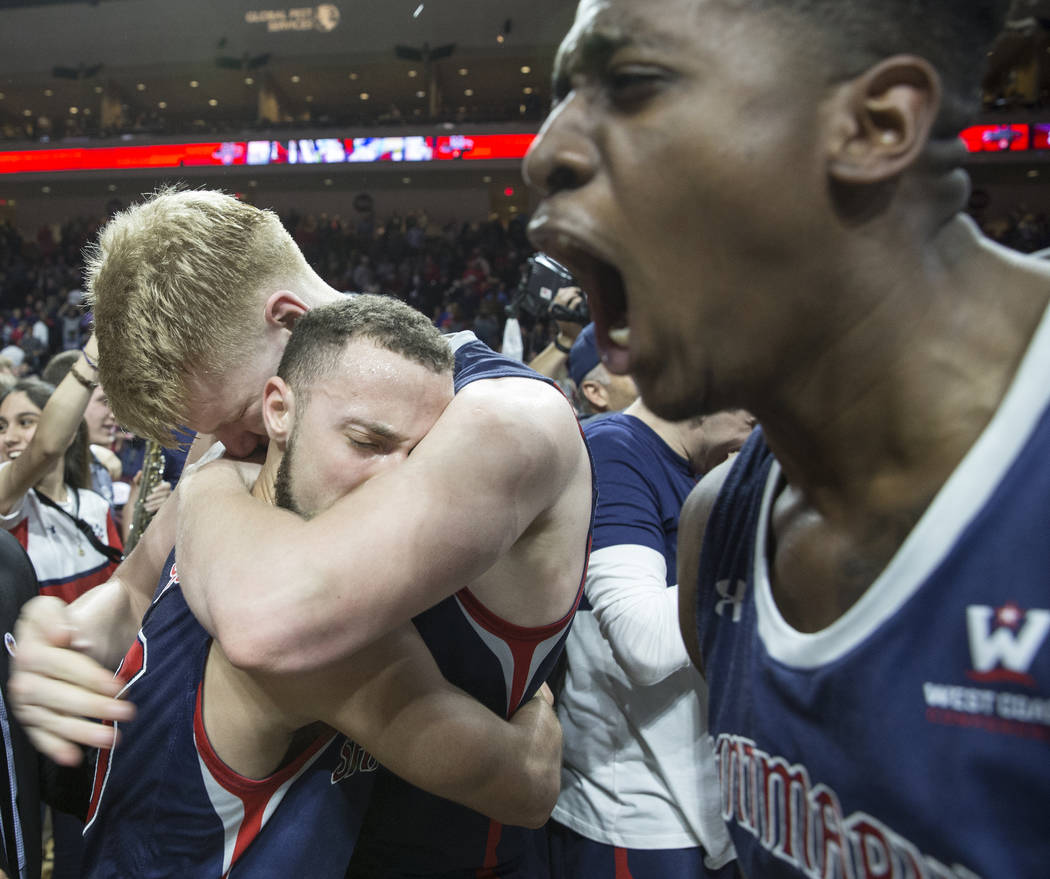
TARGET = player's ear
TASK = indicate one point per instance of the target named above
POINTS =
(596, 394)
(278, 410)
(881, 120)
(283, 309)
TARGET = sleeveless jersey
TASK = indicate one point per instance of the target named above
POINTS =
(165, 805)
(409, 832)
(911, 738)
(66, 563)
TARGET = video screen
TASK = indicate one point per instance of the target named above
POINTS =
(996, 138)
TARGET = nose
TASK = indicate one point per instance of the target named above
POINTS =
(562, 156)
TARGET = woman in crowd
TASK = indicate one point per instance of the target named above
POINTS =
(45, 496)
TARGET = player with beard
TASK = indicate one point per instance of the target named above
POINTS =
(764, 200)
(221, 769)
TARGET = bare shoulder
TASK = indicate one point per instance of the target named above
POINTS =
(529, 419)
(692, 523)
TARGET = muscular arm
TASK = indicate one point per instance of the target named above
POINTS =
(391, 698)
(281, 593)
(691, 526)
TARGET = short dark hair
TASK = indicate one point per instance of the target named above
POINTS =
(321, 335)
(953, 35)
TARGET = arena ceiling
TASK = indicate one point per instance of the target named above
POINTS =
(208, 59)
(202, 63)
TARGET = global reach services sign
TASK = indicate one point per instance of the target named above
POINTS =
(323, 17)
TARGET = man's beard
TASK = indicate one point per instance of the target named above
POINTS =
(283, 483)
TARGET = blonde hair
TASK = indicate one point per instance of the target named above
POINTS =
(176, 285)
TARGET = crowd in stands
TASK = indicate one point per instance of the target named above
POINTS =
(463, 275)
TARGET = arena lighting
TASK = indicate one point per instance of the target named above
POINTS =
(303, 151)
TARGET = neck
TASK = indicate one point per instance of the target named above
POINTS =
(669, 431)
(874, 423)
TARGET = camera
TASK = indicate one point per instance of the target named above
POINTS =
(538, 287)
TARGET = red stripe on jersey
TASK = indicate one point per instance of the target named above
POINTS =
(131, 665)
(254, 794)
(487, 870)
(521, 641)
(620, 858)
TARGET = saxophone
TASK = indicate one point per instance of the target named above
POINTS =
(152, 473)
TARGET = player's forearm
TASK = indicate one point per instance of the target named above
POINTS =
(455, 749)
(106, 619)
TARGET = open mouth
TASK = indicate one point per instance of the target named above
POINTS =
(606, 293)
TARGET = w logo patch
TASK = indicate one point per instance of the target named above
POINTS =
(1004, 642)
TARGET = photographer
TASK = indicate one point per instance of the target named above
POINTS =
(553, 360)
(548, 291)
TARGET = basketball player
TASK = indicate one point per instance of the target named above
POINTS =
(220, 771)
(480, 537)
(764, 200)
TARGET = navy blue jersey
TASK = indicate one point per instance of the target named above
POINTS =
(409, 832)
(911, 737)
(642, 494)
(165, 805)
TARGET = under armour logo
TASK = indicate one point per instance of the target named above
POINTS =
(733, 598)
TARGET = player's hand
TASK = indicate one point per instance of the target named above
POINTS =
(543, 752)
(54, 687)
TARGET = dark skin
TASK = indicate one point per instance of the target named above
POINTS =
(823, 278)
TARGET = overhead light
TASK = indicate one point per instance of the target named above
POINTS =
(486, 179)
(140, 87)
(413, 73)
(421, 94)
(309, 99)
(406, 179)
(48, 93)
(352, 76)
(212, 102)
(194, 83)
(328, 181)
(296, 77)
(527, 90)
(163, 105)
(45, 189)
(468, 92)
(364, 96)
(419, 9)
(73, 111)
(249, 80)
(463, 71)
(2, 96)
(522, 109)
(27, 112)
(112, 187)
(87, 111)
(253, 183)
(98, 90)
(1033, 173)
(526, 69)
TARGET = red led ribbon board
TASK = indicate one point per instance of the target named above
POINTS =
(197, 155)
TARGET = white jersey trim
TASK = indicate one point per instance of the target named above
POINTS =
(958, 502)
